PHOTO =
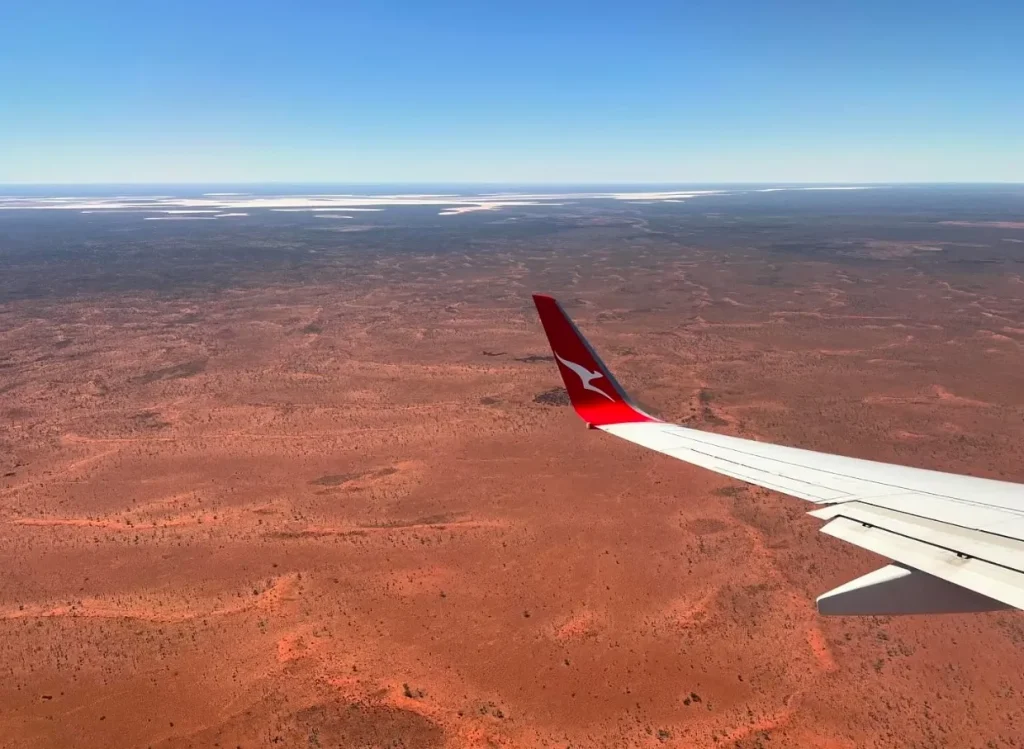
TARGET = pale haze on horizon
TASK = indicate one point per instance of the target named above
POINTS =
(531, 93)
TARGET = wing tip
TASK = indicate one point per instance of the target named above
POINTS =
(594, 392)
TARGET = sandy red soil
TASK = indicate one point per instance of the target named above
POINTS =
(332, 514)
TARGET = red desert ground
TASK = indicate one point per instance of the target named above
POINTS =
(273, 480)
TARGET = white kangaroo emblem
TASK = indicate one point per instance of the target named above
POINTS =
(585, 375)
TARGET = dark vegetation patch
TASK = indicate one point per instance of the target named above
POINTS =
(440, 519)
(315, 533)
(149, 420)
(535, 358)
(313, 328)
(747, 603)
(413, 694)
(489, 708)
(707, 414)
(705, 526)
(710, 417)
(334, 479)
(337, 479)
(553, 397)
(10, 386)
(489, 400)
(354, 724)
(493, 353)
(729, 491)
(174, 372)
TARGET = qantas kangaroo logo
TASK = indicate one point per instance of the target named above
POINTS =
(586, 376)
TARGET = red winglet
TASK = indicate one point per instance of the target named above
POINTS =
(595, 394)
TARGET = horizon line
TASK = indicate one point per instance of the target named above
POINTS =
(508, 182)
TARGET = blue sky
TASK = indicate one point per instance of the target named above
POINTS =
(875, 91)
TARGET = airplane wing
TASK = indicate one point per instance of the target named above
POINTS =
(957, 541)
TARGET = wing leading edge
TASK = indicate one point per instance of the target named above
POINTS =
(957, 541)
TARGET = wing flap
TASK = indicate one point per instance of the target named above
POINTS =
(990, 580)
(1005, 552)
(975, 515)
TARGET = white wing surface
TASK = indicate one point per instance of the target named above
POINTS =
(957, 541)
